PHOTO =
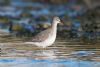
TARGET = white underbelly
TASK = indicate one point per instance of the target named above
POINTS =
(47, 42)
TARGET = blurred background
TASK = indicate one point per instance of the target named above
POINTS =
(28, 17)
(78, 39)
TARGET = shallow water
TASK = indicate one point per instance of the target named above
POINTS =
(63, 53)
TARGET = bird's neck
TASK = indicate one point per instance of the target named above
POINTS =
(54, 27)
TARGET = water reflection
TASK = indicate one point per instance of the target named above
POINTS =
(14, 53)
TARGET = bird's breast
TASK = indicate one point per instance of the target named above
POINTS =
(51, 39)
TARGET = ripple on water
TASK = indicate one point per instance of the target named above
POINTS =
(26, 62)
(61, 54)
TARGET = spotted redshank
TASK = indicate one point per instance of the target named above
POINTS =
(46, 37)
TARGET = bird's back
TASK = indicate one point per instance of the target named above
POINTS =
(42, 36)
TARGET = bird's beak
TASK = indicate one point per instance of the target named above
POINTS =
(61, 21)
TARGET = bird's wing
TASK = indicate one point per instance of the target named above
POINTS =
(41, 36)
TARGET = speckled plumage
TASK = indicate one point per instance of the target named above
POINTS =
(46, 37)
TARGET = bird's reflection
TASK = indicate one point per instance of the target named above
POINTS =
(44, 54)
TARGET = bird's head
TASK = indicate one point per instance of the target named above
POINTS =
(56, 20)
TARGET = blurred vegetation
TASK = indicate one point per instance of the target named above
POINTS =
(79, 21)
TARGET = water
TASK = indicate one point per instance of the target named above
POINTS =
(63, 53)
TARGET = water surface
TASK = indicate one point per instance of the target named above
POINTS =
(63, 53)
